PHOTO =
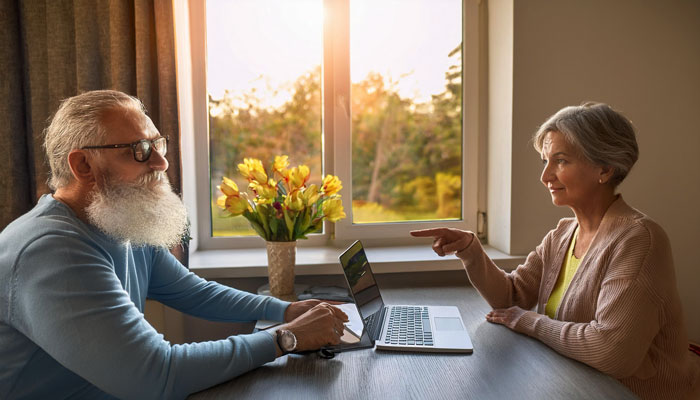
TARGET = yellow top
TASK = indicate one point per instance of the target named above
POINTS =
(568, 270)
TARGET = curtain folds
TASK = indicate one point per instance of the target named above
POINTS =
(53, 49)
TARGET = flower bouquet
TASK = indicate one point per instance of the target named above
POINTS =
(282, 208)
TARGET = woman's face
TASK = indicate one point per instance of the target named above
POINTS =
(571, 179)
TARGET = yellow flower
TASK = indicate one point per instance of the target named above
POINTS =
(228, 187)
(253, 170)
(298, 177)
(333, 209)
(331, 185)
(310, 195)
(280, 164)
(235, 203)
(294, 202)
(265, 193)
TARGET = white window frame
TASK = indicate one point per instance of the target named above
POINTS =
(190, 24)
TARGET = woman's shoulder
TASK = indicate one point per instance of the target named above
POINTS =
(637, 242)
(627, 221)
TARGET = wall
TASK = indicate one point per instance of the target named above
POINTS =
(641, 57)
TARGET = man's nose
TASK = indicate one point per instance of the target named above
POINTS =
(157, 161)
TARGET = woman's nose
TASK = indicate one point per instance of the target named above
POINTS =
(547, 174)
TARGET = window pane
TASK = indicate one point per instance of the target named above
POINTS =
(406, 73)
(264, 85)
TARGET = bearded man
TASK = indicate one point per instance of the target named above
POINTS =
(75, 272)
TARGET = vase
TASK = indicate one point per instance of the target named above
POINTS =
(281, 257)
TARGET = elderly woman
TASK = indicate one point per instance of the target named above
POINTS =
(603, 283)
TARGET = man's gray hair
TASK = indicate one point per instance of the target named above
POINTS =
(78, 123)
(602, 135)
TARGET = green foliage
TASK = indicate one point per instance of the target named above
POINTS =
(448, 191)
(418, 193)
(406, 156)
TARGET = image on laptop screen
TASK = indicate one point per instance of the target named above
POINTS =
(362, 284)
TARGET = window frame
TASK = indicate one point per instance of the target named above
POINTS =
(190, 30)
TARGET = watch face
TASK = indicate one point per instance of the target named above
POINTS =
(288, 342)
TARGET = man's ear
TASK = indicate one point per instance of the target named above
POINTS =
(81, 166)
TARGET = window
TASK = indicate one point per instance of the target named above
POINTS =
(379, 93)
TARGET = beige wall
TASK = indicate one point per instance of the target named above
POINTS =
(641, 57)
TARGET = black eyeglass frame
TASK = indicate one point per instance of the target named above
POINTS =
(134, 146)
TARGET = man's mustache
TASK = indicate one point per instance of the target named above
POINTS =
(153, 177)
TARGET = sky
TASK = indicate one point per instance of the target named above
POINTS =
(267, 44)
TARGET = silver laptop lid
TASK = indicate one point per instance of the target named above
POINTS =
(361, 280)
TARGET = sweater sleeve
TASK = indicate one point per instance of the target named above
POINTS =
(627, 316)
(68, 301)
(499, 288)
(172, 284)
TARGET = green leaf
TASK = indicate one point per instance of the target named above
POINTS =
(259, 229)
(281, 191)
(290, 224)
(302, 228)
(263, 216)
(297, 227)
(274, 226)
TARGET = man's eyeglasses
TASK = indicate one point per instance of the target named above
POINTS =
(142, 149)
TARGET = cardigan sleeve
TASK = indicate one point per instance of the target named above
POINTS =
(627, 317)
(501, 289)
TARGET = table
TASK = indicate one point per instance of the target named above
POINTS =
(504, 365)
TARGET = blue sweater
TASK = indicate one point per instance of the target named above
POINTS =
(71, 316)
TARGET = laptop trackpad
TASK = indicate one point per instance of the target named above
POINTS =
(448, 324)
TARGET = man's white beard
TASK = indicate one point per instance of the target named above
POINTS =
(146, 212)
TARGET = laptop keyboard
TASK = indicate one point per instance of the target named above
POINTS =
(409, 326)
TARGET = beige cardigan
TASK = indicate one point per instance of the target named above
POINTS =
(621, 313)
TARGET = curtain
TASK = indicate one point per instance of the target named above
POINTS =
(54, 49)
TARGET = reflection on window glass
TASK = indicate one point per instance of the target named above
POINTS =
(406, 69)
(264, 87)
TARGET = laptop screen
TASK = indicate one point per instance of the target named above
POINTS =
(361, 281)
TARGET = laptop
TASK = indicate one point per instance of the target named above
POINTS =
(401, 327)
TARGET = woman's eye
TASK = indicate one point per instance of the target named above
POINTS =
(561, 161)
(544, 162)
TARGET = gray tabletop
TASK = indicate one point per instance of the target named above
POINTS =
(504, 364)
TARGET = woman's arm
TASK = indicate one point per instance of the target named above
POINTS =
(500, 289)
(628, 313)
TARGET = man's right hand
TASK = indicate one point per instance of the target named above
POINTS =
(320, 326)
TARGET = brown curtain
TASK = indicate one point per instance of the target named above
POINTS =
(53, 49)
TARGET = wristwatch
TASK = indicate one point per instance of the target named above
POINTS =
(286, 340)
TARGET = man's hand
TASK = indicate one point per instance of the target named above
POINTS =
(322, 325)
(505, 316)
(446, 240)
(300, 307)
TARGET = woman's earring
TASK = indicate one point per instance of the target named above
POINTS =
(600, 180)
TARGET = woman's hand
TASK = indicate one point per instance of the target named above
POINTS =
(505, 316)
(446, 240)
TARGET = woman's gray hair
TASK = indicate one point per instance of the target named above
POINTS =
(78, 123)
(604, 136)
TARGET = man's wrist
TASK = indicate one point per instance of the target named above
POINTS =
(278, 350)
(286, 340)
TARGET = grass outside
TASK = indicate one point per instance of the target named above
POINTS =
(367, 213)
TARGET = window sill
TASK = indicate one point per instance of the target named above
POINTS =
(245, 263)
